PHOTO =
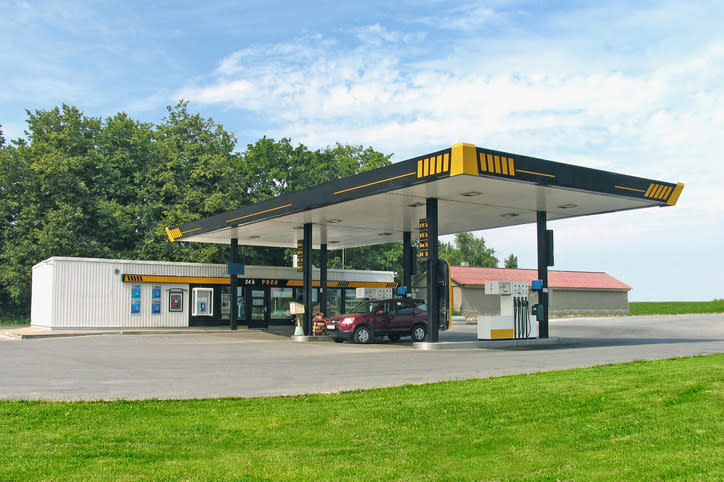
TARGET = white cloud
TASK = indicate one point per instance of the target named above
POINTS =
(366, 91)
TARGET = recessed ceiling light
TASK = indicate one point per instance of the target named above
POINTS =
(254, 236)
(471, 193)
(385, 234)
(416, 205)
(567, 206)
(334, 221)
(509, 215)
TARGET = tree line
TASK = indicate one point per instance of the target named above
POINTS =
(91, 187)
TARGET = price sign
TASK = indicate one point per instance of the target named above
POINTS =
(300, 255)
(423, 240)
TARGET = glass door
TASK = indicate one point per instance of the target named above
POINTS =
(279, 304)
(259, 311)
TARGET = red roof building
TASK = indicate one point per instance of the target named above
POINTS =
(468, 276)
(569, 291)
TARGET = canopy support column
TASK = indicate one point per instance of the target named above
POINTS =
(433, 293)
(307, 278)
(407, 261)
(543, 262)
(323, 279)
(233, 283)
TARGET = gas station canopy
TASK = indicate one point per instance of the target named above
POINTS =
(476, 189)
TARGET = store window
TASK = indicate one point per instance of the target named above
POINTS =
(280, 299)
(334, 302)
(225, 303)
(298, 297)
(202, 302)
(350, 299)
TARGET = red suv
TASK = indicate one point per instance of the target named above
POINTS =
(393, 318)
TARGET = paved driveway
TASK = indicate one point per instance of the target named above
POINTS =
(251, 363)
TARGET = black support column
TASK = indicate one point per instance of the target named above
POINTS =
(543, 262)
(407, 261)
(307, 277)
(233, 282)
(323, 279)
(433, 293)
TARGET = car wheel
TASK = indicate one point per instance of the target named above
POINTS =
(394, 337)
(419, 333)
(363, 334)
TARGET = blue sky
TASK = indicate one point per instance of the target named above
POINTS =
(631, 87)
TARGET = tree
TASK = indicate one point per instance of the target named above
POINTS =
(84, 186)
(192, 172)
(511, 261)
(49, 207)
(273, 168)
(468, 248)
(383, 257)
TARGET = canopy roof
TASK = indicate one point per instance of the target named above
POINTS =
(476, 189)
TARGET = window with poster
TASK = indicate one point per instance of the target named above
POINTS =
(175, 300)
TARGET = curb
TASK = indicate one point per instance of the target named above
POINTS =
(304, 338)
(487, 344)
(19, 335)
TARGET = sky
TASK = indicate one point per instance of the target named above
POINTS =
(633, 87)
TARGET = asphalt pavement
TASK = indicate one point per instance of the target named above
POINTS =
(246, 363)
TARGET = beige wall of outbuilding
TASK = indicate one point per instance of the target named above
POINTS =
(472, 301)
(588, 301)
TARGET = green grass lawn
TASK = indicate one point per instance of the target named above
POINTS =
(643, 420)
(675, 307)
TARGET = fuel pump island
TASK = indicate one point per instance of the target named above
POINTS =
(514, 319)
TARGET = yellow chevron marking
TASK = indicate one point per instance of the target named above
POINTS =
(483, 164)
(144, 278)
(675, 194)
(173, 234)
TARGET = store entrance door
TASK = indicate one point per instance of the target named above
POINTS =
(259, 307)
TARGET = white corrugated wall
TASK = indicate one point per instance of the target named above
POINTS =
(90, 293)
(41, 306)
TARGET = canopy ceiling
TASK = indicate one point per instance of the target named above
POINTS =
(476, 189)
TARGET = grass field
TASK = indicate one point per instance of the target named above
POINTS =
(642, 420)
(675, 307)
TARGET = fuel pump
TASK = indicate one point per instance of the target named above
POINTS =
(514, 319)
(444, 285)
